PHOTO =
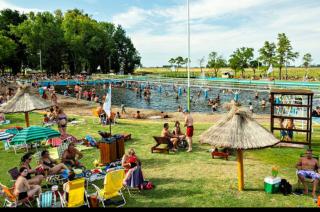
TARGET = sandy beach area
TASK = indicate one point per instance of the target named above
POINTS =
(72, 106)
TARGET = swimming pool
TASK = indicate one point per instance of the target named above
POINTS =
(163, 94)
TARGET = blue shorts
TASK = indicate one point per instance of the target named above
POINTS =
(290, 133)
(283, 133)
(309, 174)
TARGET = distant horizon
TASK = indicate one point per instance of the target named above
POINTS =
(158, 28)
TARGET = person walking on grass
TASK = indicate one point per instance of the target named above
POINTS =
(188, 122)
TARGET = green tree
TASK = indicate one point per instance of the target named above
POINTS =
(201, 61)
(179, 61)
(216, 62)
(284, 53)
(7, 49)
(268, 54)
(125, 54)
(254, 64)
(41, 33)
(172, 62)
(10, 18)
(240, 59)
(307, 60)
(78, 31)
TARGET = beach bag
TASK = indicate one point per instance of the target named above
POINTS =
(148, 185)
(285, 187)
(91, 140)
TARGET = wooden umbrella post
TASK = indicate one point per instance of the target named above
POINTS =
(240, 170)
(26, 116)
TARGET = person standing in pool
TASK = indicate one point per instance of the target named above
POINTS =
(236, 97)
(256, 95)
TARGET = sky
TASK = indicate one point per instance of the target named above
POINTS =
(158, 28)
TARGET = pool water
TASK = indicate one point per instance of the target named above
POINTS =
(166, 99)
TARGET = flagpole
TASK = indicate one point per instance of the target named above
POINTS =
(189, 105)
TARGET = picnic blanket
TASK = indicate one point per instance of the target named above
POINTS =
(54, 151)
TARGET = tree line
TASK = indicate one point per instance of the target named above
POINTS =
(278, 55)
(72, 41)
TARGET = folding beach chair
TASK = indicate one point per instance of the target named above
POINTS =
(113, 184)
(77, 195)
(47, 200)
(10, 200)
(14, 173)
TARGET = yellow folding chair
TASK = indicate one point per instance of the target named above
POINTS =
(77, 195)
(113, 184)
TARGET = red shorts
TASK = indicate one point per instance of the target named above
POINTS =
(190, 131)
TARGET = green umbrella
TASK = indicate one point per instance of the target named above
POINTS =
(34, 134)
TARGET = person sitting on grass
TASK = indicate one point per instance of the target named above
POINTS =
(173, 139)
(51, 165)
(138, 115)
(308, 168)
(132, 166)
(71, 156)
(22, 187)
(177, 131)
(25, 162)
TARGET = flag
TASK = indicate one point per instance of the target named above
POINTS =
(270, 70)
(107, 103)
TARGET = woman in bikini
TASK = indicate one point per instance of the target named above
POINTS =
(22, 188)
(62, 122)
(51, 165)
(25, 163)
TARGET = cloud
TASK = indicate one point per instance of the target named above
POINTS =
(161, 33)
(132, 17)
(4, 5)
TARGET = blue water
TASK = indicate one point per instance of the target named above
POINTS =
(166, 99)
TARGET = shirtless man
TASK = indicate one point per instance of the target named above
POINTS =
(22, 188)
(174, 139)
(308, 168)
(71, 156)
(188, 122)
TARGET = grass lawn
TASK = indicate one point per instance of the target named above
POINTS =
(187, 179)
(292, 72)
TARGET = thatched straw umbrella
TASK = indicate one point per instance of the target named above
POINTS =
(238, 130)
(25, 101)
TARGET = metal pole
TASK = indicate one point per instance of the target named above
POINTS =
(189, 105)
(40, 61)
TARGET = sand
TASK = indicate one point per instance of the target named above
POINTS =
(72, 106)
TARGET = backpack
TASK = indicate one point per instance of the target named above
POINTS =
(91, 140)
(148, 185)
(285, 187)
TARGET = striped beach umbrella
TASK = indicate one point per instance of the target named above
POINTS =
(35, 134)
(5, 136)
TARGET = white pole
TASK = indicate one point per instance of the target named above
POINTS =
(189, 105)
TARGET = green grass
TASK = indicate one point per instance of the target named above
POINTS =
(187, 179)
(195, 72)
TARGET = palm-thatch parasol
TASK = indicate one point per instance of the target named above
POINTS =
(83, 72)
(238, 130)
(25, 101)
(63, 72)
